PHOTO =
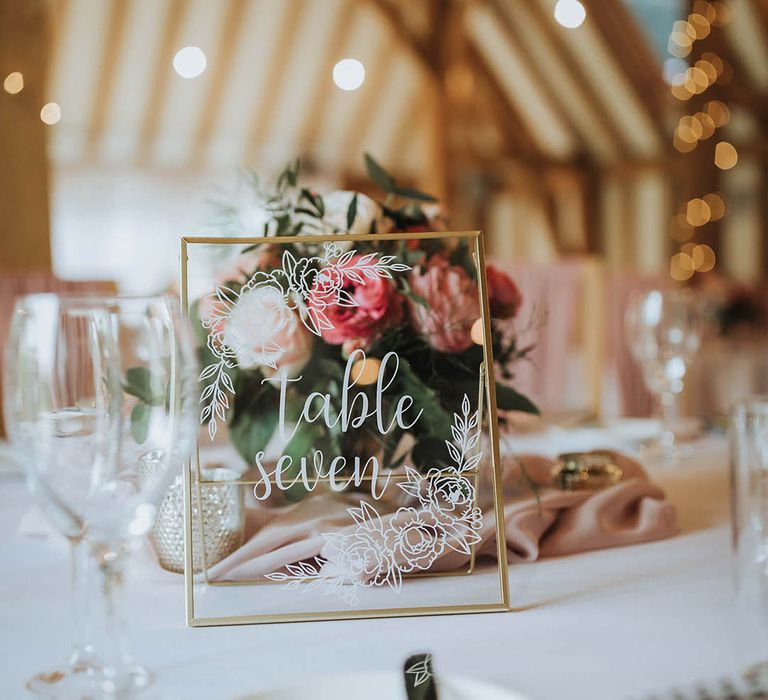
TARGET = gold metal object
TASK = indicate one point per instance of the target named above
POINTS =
(195, 479)
(586, 470)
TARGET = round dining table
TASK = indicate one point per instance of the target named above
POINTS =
(630, 622)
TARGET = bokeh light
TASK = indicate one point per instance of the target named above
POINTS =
(349, 74)
(681, 267)
(716, 206)
(703, 258)
(697, 212)
(14, 83)
(570, 13)
(50, 113)
(190, 62)
(719, 112)
(726, 155)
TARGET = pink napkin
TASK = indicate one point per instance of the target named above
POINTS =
(549, 523)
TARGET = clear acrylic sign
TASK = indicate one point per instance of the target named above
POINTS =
(347, 462)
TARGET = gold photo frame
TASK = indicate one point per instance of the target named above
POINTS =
(221, 601)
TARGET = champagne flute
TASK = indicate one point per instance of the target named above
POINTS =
(141, 368)
(663, 330)
(62, 408)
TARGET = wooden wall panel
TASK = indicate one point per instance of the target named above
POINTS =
(24, 208)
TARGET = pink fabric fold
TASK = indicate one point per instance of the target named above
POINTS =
(547, 522)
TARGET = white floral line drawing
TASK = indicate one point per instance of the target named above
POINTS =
(421, 670)
(303, 286)
(375, 554)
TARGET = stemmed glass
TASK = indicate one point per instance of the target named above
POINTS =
(663, 330)
(91, 385)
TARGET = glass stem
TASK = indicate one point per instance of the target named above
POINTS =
(81, 656)
(668, 413)
(109, 564)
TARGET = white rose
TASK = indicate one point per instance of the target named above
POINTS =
(336, 208)
(264, 332)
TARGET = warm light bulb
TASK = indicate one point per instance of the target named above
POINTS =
(365, 372)
(14, 83)
(190, 62)
(477, 332)
(726, 156)
(50, 113)
(349, 74)
(570, 13)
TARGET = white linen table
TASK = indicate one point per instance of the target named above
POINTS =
(620, 623)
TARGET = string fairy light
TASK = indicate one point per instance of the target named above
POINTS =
(693, 78)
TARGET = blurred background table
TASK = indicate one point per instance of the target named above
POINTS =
(620, 623)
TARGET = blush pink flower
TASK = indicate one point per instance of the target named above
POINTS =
(503, 294)
(378, 306)
(264, 333)
(450, 304)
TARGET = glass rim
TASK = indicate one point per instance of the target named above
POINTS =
(98, 299)
(747, 401)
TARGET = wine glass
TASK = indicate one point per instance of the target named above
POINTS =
(92, 385)
(663, 330)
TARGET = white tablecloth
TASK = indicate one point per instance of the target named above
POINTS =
(619, 623)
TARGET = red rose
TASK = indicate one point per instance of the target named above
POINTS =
(378, 307)
(504, 296)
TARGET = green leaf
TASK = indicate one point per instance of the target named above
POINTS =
(411, 193)
(253, 430)
(434, 420)
(352, 212)
(140, 422)
(290, 176)
(140, 382)
(283, 224)
(380, 176)
(507, 399)
(307, 437)
(430, 453)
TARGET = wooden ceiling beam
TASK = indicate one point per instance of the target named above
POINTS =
(631, 48)
(409, 41)
(229, 37)
(516, 134)
(513, 36)
(370, 93)
(105, 81)
(274, 70)
(159, 88)
(317, 104)
(580, 80)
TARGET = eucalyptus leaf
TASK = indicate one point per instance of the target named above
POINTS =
(411, 193)
(142, 384)
(434, 420)
(352, 212)
(252, 431)
(377, 173)
(507, 399)
(308, 436)
(140, 422)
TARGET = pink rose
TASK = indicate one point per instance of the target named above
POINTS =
(503, 294)
(451, 304)
(378, 306)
